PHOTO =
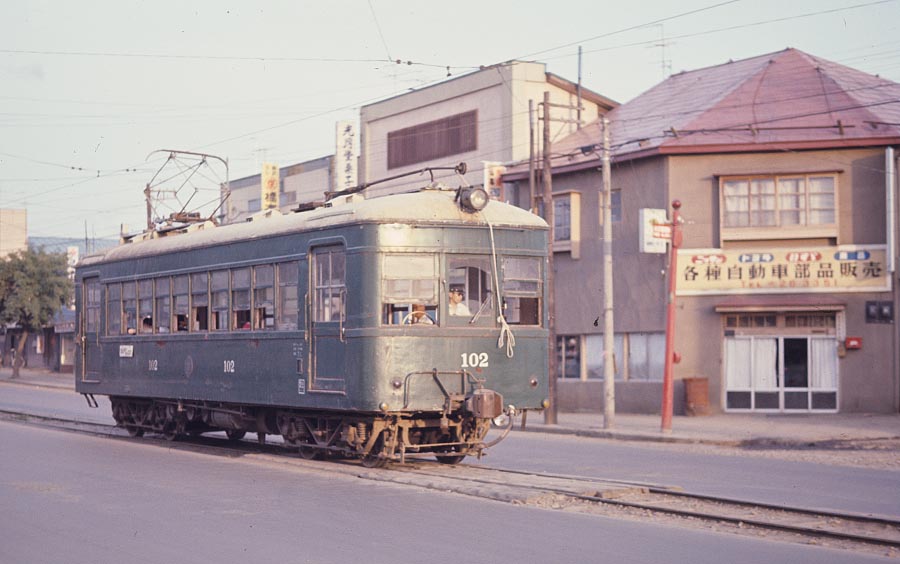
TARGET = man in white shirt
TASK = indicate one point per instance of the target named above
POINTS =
(457, 301)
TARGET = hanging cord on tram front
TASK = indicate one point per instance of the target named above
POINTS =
(506, 335)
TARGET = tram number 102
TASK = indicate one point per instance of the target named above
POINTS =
(228, 366)
(474, 360)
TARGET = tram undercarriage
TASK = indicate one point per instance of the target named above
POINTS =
(375, 438)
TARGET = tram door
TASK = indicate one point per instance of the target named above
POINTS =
(327, 317)
(90, 330)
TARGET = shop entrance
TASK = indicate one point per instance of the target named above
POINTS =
(786, 367)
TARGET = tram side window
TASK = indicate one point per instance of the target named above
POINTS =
(163, 305)
(129, 308)
(180, 305)
(114, 309)
(522, 290)
(200, 301)
(409, 290)
(240, 298)
(288, 297)
(219, 294)
(470, 300)
(92, 304)
(145, 305)
(263, 296)
(330, 285)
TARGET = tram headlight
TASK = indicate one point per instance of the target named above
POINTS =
(473, 199)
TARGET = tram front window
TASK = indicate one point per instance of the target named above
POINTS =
(410, 290)
(470, 298)
(522, 290)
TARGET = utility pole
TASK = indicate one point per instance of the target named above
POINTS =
(668, 385)
(550, 414)
(609, 343)
(531, 196)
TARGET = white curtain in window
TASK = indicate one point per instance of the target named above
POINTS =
(823, 369)
(737, 363)
(765, 363)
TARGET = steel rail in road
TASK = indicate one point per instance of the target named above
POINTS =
(525, 487)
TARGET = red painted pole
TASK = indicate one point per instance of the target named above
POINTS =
(668, 386)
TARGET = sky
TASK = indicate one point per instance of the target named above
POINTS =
(90, 92)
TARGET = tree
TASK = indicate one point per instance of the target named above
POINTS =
(34, 286)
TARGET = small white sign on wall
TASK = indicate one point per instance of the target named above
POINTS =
(652, 222)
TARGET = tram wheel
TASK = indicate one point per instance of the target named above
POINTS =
(133, 431)
(309, 453)
(452, 459)
(235, 434)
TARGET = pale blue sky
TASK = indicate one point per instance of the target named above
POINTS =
(99, 85)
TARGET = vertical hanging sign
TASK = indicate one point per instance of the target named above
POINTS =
(270, 186)
(345, 156)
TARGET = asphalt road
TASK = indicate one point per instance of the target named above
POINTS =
(70, 498)
(728, 472)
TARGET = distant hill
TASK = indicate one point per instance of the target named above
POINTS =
(61, 244)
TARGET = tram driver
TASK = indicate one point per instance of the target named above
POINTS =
(457, 301)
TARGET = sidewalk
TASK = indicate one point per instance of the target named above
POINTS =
(720, 429)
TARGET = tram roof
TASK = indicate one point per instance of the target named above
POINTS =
(425, 207)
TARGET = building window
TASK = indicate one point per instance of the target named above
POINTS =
(779, 207)
(568, 356)
(254, 205)
(615, 203)
(433, 140)
(567, 223)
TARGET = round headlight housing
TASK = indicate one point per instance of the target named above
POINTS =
(473, 199)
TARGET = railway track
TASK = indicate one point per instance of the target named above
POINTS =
(591, 495)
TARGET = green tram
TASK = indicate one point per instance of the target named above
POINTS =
(381, 328)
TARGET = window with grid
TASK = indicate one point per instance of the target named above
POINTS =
(433, 140)
(803, 205)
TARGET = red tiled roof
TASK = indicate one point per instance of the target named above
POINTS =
(783, 100)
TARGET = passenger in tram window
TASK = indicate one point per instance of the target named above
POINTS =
(457, 301)
(420, 316)
(147, 325)
(181, 322)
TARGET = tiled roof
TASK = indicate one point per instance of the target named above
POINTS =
(783, 100)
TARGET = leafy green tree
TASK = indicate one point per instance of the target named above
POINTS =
(34, 286)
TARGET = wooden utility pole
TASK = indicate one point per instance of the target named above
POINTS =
(532, 206)
(609, 343)
(550, 414)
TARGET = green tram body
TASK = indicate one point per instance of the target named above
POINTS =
(329, 357)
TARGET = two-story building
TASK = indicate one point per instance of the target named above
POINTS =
(482, 118)
(785, 165)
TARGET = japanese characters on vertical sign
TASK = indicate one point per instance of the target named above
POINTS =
(345, 156)
(854, 268)
(271, 184)
(493, 183)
